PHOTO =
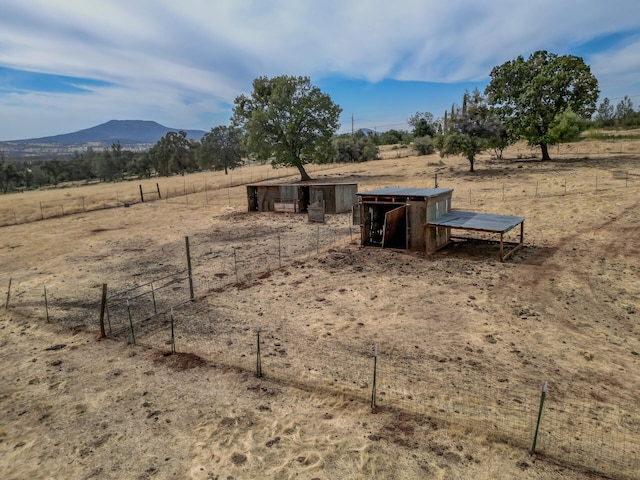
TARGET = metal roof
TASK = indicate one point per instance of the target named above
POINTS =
(299, 184)
(486, 222)
(407, 192)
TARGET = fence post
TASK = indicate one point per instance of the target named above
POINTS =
(133, 335)
(435, 182)
(535, 436)
(258, 359)
(235, 264)
(153, 298)
(41, 212)
(279, 254)
(158, 188)
(173, 338)
(186, 239)
(318, 240)
(141, 194)
(46, 304)
(375, 373)
(6, 305)
(102, 308)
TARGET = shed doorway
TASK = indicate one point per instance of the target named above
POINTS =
(385, 225)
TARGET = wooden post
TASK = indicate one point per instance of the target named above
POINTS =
(141, 194)
(6, 305)
(158, 188)
(192, 296)
(103, 305)
(41, 212)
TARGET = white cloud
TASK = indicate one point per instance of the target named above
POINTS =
(161, 52)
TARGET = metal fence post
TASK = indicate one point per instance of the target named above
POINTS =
(258, 359)
(535, 436)
(186, 239)
(375, 374)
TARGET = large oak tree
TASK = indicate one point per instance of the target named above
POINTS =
(530, 94)
(286, 120)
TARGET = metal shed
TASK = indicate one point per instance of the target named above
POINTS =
(421, 219)
(397, 217)
(296, 197)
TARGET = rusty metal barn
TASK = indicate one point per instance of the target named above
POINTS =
(297, 197)
(421, 220)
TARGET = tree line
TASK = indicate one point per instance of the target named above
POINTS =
(287, 121)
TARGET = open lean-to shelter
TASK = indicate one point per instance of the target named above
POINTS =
(421, 220)
(297, 197)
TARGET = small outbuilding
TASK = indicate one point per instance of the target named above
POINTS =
(421, 220)
(297, 197)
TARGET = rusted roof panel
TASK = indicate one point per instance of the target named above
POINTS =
(485, 222)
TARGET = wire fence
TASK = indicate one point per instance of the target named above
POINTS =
(201, 191)
(574, 430)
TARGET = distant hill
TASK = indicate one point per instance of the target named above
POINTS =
(135, 135)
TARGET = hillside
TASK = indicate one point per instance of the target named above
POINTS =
(132, 134)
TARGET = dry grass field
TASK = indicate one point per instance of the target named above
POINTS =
(464, 342)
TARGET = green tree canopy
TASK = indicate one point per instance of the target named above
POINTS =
(424, 124)
(172, 154)
(470, 129)
(604, 115)
(221, 149)
(286, 120)
(530, 94)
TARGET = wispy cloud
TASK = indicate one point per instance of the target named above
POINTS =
(184, 62)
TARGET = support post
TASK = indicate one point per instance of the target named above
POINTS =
(535, 436)
(192, 296)
(103, 306)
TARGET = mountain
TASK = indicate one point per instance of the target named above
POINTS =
(134, 135)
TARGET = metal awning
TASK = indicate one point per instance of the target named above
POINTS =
(483, 222)
(405, 192)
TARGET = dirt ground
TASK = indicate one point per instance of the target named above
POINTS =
(459, 334)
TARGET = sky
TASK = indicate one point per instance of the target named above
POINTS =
(66, 65)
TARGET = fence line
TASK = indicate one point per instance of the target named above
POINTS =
(576, 431)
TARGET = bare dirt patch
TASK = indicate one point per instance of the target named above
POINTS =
(465, 342)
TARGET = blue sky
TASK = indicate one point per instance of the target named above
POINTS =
(66, 65)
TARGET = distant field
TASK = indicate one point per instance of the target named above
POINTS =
(465, 342)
